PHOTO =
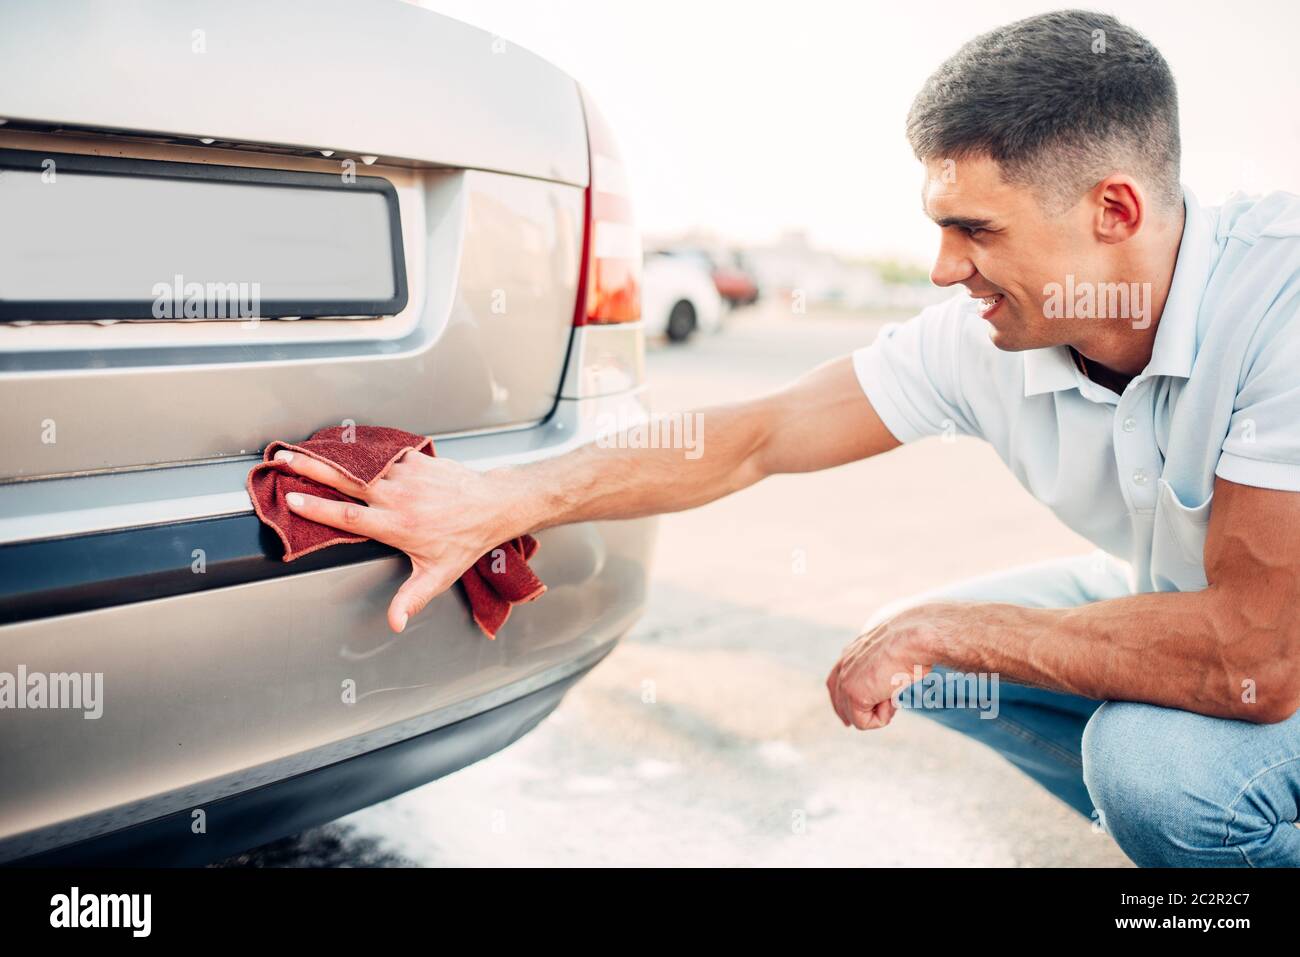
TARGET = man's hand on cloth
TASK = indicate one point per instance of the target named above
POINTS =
(408, 508)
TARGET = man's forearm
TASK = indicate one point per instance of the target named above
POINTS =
(609, 481)
(1196, 651)
(819, 421)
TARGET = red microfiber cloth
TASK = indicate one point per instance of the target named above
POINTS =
(493, 584)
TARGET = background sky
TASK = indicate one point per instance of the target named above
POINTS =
(750, 118)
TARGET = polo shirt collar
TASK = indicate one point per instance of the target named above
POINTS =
(1049, 370)
(1174, 349)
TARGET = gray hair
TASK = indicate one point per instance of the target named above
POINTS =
(1060, 101)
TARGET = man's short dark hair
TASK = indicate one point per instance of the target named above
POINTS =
(1060, 101)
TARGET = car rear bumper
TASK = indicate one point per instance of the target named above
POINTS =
(230, 673)
(292, 804)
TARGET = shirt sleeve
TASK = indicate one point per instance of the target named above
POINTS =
(1262, 447)
(911, 373)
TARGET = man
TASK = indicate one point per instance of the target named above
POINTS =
(1133, 357)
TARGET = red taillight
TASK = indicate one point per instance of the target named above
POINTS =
(609, 288)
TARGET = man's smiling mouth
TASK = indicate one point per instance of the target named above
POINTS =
(989, 303)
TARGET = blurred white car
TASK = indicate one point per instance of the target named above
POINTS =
(678, 296)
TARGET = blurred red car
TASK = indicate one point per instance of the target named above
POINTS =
(734, 281)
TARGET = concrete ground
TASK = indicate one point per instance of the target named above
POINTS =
(706, 737)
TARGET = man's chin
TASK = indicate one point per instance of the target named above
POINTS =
(1007, 340)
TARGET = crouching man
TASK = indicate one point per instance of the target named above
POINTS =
(1133, 357)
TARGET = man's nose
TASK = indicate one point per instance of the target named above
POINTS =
(951, 265)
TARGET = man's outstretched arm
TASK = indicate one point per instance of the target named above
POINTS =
(819, 421)
(445, 515)
(1231, 650)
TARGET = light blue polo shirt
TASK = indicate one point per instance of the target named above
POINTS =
(1132, 473)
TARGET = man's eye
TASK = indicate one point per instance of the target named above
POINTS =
(973, 231)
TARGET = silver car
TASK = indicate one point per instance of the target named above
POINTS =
(225, 224)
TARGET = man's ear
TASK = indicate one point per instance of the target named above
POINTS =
(1121, 208)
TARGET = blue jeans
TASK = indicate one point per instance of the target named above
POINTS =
(1173, 788)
